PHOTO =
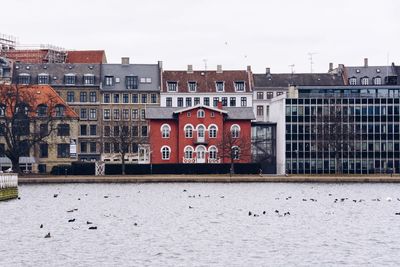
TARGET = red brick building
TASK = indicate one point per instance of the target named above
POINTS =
(200, 134)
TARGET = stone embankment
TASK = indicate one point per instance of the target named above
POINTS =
(8, 186)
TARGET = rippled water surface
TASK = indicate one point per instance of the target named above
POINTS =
(202, 225)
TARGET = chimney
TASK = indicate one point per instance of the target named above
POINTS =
(125, 60)
(219, 68)
(267, 71)
(189, 68)
(330, 67)
(219, 104)
(249, 68)
(160, 65)
(366, 62)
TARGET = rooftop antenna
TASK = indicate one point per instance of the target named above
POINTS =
(205, 72)
(205, 64)
(310, 57)
(292, 67)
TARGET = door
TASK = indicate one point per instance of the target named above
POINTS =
(201, 154)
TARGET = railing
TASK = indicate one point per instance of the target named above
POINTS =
(214, 160)
(186, 160)
(8, 180)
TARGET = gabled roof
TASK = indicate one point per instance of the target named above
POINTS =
(200, 106)
(296, 79)
(88, 56)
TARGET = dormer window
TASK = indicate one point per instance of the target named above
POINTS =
(131, 82)
(239, 86)
(43, 78)
(353, 81)
(192, 86)
(172, 86)
(364, 81)
(24, 78)
(88, 79)
(69, 79)
(378, 70)
(109, 80)
(219, 86)
(200, 113)
(378, 81)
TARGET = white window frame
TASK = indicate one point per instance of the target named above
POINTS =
(167, 151)
(165, 130)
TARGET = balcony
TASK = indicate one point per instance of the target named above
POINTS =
(201, 140)
(202, 160)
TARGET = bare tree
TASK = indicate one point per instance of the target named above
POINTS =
(27, 117)
(125, 139)
(234, 147)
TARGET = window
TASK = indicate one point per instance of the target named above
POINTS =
(180, 102)
(43, 150)
(212, 153)
(63, 150)
(378, 81)
(83, 114)
(116, 98)
(206, 101)
(172, 86)
(131, 82)
(279, 93)
(364, 81)
(200, 113)
(106, 114)
(83, 97)
(109, 80)
(88, 79)
(219, 86)
(63, 129)
(168, 101)
(69, 79)
(260, 95)
(188, 114)
(188, 131)
(215, 101)
(144, 98)
(212, 114)
(135, 99)
(116, 114)
(232, 101)
(224, 101)
(145, 80)
(60, 111)
(270, 95)
(197, 101)
(92, 97)
(153, 98)
(107, 148)
(83, 130)
(165, 131)
(42, 110)
(83, 147)
(165, 152)
(192, 86)
(212, 132)
(135, 130)
(70, 96)
(92, 147)
(260, 110)
(43, 129)
(144, 130)
(200, 131)
(188, 152)
(93, 129)
(24, 78)
(188, 101)
(116, 130)
(43, 78)
(116, 147)
(142, 114)
(243, 101)
(107, 130)
(235, 131)
(353, 81)
(92, 114)
(239, 86)
(125, 114)
(135, 114)
(235, 153)
(106, 98)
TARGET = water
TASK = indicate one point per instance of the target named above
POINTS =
(215, 231)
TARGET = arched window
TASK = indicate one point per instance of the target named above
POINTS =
(212, 152)
(235, 152)
(200, 113)
(42, 110)
(200, 131)
(60, 111)
(188, 152)
(364, 81)
(165, 152)
(235, 131)
(378, 81)
(189, 131)
(165, 131)
(353, 81)
(212, 131)
(22, 109)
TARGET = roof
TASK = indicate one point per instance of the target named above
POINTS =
(233, 113)
(297, 79)
(370, 72)
(86, 56)
(200, 106)
(120, 71)
(27, 56)
(206, 80)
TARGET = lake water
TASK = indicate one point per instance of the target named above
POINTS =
(198, 224)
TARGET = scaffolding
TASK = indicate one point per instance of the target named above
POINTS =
(7, 42)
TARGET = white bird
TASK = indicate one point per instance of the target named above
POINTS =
(8, 170)
(389, 199)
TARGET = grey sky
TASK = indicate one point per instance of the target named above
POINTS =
(233, 33)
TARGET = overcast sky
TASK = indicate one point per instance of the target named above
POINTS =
(233, 33)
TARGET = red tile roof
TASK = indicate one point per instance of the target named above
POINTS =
(27, 56)
(89, 56)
